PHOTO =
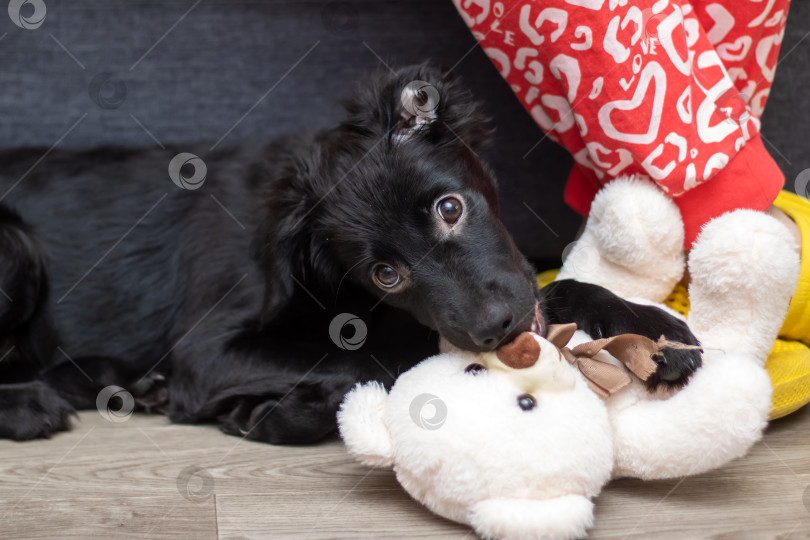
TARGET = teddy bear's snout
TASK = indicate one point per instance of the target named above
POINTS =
(522, 353)
(532, 364)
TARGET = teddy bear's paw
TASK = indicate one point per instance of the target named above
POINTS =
(361, 425)
(505, 519)
(636, 223)
(632, 243)
(744, 269)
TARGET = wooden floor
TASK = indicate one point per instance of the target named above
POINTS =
(144, 478)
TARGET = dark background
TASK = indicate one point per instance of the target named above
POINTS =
(222, 57)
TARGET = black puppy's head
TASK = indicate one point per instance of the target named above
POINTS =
(397, 200)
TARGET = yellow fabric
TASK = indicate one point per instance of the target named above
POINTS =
(544, 278)
(678, 299)
(789, 368)
(797, 321)
(788, 363)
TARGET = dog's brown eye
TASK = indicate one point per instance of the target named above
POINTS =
(386, 276)
(450, 209)
(475, 369)
(526, 402)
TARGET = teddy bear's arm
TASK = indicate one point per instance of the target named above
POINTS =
(743, 269)
(563, 517)
(717, 417)
(360, 420)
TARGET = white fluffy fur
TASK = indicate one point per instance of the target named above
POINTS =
(632, 242)
(516, 474)
(523, 519)
(366, 436)
(744, 269)
(475, 454)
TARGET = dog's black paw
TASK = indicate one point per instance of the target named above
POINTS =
(674, 368)
(675, 365)
(32, 410)
(151, 393)
(302, 416)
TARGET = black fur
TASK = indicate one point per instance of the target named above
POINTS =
(214, 305)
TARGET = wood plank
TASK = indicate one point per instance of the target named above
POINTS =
(702, 507)
(159, 518)
(334, 514)
(147, 455)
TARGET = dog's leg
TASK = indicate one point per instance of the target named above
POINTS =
(601, 313)
(270, 395)
(80, 380)
(29, 408)
(282, 385)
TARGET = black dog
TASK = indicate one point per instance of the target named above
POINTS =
(219, 304)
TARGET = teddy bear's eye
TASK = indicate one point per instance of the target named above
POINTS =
(475, 369)
(526, 402)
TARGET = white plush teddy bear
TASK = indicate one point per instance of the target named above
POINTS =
(517, 446)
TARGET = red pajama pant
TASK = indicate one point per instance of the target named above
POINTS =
(669, 89)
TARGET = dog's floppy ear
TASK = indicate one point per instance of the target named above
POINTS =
(288, 248)
(280, 251)
(416, 101)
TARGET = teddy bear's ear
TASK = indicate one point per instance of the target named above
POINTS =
(563, 517)
(360, 420)
(561, 334)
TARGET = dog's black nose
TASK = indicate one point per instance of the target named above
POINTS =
(495, 321)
